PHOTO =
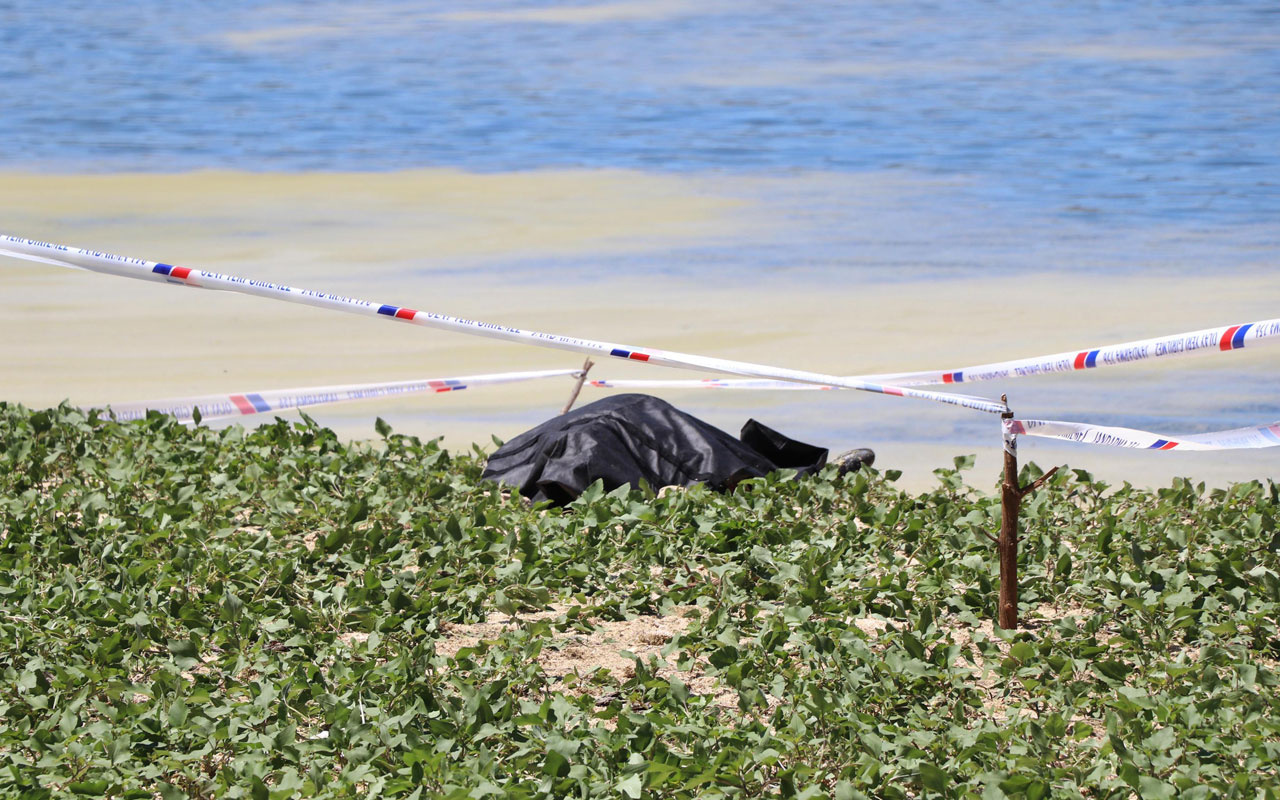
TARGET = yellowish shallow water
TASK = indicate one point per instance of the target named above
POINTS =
(438, 240)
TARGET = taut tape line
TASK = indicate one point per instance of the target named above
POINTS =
(1209, 340)
(238, 404)
(158, 272)
(709, 383)
(1234, 439)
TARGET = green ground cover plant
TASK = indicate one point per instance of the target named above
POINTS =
(189, 612)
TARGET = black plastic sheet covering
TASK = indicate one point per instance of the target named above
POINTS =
(627, 438)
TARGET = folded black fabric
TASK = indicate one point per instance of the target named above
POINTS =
(627, 438)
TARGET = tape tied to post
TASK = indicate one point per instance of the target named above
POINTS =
(1248, 438)
(1009, 430)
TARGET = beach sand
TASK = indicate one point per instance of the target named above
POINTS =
(473, 245)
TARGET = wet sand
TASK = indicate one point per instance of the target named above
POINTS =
(461, 243)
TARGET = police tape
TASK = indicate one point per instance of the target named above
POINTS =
(1234, 439)
(1209, 340)
(107, 263)
(222, 406)
(709, 383)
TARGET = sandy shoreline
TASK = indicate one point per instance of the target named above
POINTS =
(95, 339)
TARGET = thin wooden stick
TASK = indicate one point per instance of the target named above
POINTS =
(577, 387)
(1007, 544)
(1011, 496)
(1038, 482)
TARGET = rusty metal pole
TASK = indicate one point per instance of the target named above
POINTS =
(577, 387)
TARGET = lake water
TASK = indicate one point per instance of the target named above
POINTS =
(841, 186)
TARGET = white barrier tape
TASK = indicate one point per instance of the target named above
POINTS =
(221, 406)
(1009, 433)
(153, 271)
(710, 383)
(1208, 340)
(1235, 439)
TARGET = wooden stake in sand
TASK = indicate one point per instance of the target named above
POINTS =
(577, 387)
(1011, 495)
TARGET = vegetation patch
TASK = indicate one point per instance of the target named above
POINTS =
(187, 612)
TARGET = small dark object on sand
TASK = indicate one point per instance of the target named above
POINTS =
(851, 460)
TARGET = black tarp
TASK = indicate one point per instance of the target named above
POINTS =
(627, 438)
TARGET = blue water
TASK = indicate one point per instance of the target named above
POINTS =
(1097, 113)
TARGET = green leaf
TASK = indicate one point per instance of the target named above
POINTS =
(631, 786)
(335, 539)
(178, 713)
(555, 765)
(358, 512)
(933, 778)
(1160, 741)
(724, 656)
(1014, 784)
(845, 791)
(1055, 727)
(1153, 789)
(1022, 652)
(97, 787)
(185, 652)
(913, 646)
(1062, 569)
(1112, 670)
(678, 690)
(170, 792)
